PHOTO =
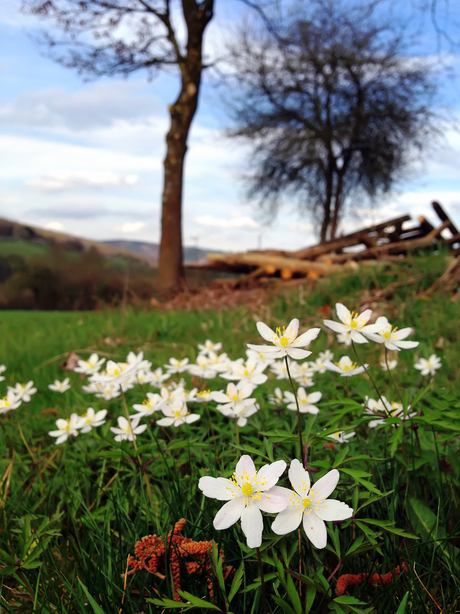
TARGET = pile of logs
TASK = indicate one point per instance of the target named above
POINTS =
(386, 241)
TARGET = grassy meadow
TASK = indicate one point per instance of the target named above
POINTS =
(71, 514)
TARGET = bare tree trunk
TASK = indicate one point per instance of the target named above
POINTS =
(327, 204)
(337, 207)
(171, 268)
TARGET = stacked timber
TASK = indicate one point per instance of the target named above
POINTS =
(386, 241)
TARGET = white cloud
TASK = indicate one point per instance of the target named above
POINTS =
(132, 227)
(57, 226)
(243, 221)
(93, 106)
(70, 180)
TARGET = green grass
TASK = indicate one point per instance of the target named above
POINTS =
(102, 497)
(26, 249)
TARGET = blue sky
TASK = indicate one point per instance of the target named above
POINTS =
(86, 158)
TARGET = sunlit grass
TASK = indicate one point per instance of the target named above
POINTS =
(102, 497)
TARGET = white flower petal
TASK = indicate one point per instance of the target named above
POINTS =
(191, 418)
(315, 529)
(268, 475)
(252, 525)
(334, 510)
(228, 514)
(287, 521)
(165, 422)
(299, 478)
(407, 345)
(296, 353)
(342, 312)
(245, 464)
(266, 332)
(336, 326)
(357, 337)
(292, 329)
(326, 485)
(216, 488)
(306, 338)
(270, 503)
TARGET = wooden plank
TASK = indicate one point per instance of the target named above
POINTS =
(444, 217)
(355, 238)
(392, 248)
(241, 261)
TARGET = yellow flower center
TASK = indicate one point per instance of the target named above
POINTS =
(284, 341)
(178, 414)
(246, 372)
(235, 397)
(306, 503)
(246, 489)
(387, 335)
(353, 324)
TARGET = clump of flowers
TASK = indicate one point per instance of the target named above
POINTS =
(428, 366)
(155, 554)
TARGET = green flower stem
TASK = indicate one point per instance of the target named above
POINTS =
(299, 421)
(237, 429)
(262, 581)
(367, 372)
(392, 378)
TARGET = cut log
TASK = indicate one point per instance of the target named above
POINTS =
(241, 262)
(444, 217)
(355, 238)
(392, 248)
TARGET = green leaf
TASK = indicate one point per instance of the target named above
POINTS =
(283, 605)
(426, 524)
(293, 595)
(402, 605)
(236, 582)
(197, 602)
(169, 604)
(96, 608)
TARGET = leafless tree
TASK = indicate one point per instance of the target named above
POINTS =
(119, 37)
(333, 107)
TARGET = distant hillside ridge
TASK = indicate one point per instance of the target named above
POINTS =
(152, 250)
(138, 250)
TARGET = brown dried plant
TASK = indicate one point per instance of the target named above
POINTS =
(174, 554)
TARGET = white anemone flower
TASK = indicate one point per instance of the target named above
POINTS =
(91, 419)
(10, 401)
(203, 396)
(235, 399)
(259, 357)
(355, 324)
(310, 504)
(59, 386)
(90, 366)
(65, 428)
(341, 436)
(428, 367)
(177, 366)
(248, 493)
(386, 409)
(276, 398)
(346, 367)
(150, 405)
(306, 401)
(176, 414)
(209, 346)
(345, 338)
(285, 341)
(128, 429)
(392, 364)
(2, 370)
(249, 371)
(23, 392)
(202, 367)
(157, 378)
(391, 337)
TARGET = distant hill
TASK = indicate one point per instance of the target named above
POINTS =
(33, 237)
(151, 250)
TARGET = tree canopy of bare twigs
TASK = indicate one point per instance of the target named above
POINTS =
(333, 107)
